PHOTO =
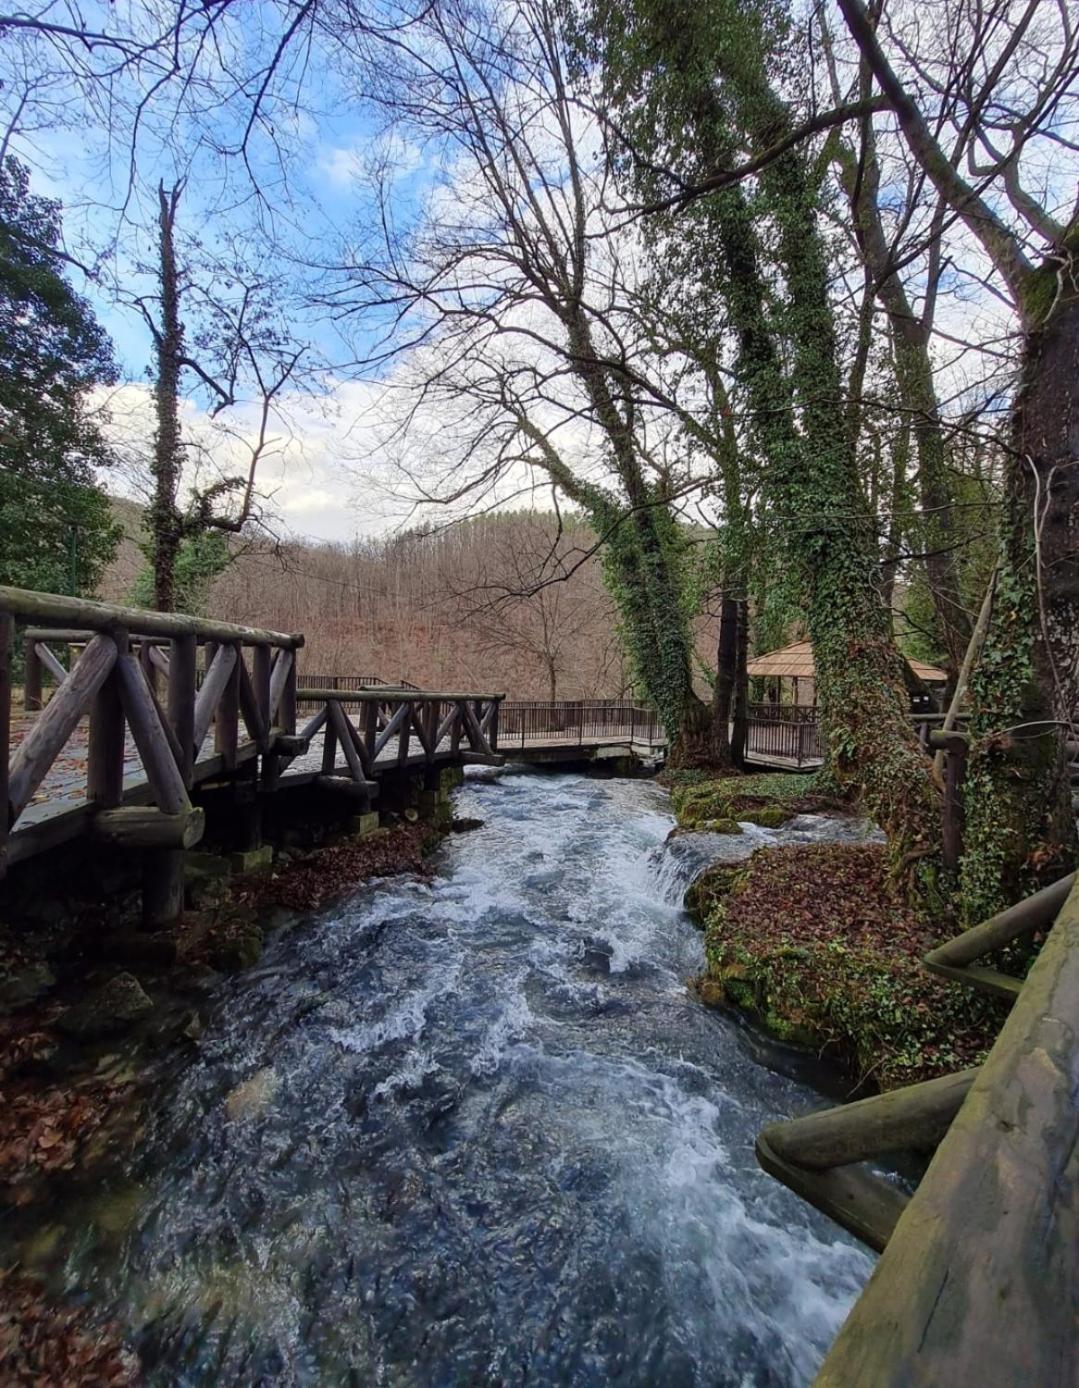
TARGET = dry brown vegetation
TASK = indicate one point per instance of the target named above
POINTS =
(507, 601)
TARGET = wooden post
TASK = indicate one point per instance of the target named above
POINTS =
(260, 681)
(370, 729)
(31, 679)
(181, 701)
(107, 743)
(7, 641)
(288, 698)
(227, 722)
(954, 745)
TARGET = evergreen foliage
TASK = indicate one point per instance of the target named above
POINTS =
(58, 527)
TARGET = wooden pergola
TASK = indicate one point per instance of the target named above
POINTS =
(795, 663)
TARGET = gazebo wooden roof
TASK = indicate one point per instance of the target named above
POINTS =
(796, 662)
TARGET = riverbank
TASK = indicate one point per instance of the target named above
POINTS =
(813, 943)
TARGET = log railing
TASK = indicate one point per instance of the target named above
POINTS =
(137, 671)
(577, 722)
(979, 1278)
(395, 727)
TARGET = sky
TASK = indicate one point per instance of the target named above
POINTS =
(323, 432)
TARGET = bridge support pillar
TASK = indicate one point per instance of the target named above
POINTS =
(162, 886)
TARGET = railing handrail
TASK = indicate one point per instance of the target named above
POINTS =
(81, 616)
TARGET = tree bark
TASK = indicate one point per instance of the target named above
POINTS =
(165, 521)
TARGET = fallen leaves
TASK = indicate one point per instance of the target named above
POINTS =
(44, 1344)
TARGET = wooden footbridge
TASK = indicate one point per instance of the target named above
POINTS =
(151, 708)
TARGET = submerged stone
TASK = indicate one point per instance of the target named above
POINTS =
(251, 1097)
(112, 1008)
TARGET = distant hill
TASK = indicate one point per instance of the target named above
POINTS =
(462, 608)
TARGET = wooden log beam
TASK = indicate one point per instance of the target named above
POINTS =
(475, 735)
(260, 688)
(346, 737)
(50, 662)
(979, 1283)
(401, 715)
(1032, 913)
(916, 1117)
(213, 687)
(481, 759)
(150, 736)
(865, 1205)
(227, 717)
(345, 785)
(144, 826)
(46, 739)
(51, 609)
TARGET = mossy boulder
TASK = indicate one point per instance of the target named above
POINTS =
(767, 817)
(706, 891)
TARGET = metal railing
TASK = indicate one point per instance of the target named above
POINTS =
(576, 722)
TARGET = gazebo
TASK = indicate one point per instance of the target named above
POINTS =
(795, 663)
(786, 731)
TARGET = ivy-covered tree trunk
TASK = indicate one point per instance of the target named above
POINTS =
(1025, 688)
(166, 523)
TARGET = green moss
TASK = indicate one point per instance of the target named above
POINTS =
(704, 892)
(839, 971)
(767, 800)
(768, 816)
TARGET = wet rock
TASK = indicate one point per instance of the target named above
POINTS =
(233, 943)
(112, 1008)
(24, 984)
(464, 825)
(251, 1097)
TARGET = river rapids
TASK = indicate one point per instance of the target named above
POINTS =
(475, 1130)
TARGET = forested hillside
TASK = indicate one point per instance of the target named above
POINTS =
(506, 601)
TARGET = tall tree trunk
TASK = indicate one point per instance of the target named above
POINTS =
(165, 521)
(1025, 689)
(740, 711)
(724, 698)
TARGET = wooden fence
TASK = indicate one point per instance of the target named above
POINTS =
(787, 732)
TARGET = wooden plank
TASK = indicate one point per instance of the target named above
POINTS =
(249, 707)
(979, 1283)
(213, 687)
(181, 701)
(46, 739)
(81, 614)
(912, 1118)
(158, 761)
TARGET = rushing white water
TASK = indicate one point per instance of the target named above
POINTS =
(475, 1130)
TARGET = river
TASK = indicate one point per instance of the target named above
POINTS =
(474, 1130)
